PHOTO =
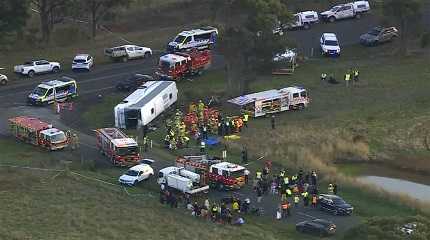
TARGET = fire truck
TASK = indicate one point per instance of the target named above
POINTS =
(120, 149)
(216, 173)
(176, 66)
(34, 131)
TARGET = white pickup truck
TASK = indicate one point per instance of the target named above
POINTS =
(182, 180)
(303, 20)
(126, 52)
(37, 66)
(348, 10)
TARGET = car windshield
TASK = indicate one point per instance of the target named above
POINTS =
(179, 39)
(40, 91)
(80, 60)
(238, 173)
(123, 151)
(374, 32)
(338, 201)
(132, 173)
(59, 137)
(331, 43)
(335, 8)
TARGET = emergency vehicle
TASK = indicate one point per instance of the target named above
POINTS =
(214, 172)
(175, 66)
(201, 38)
(272, 101)
(182, 180)
(34, 131)
(53, 91)
(118, 147)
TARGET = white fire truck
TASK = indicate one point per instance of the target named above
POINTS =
(272, 101)
(34, 131)
(182, 180)
(120, 149)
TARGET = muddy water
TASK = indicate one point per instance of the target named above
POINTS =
(397, 181)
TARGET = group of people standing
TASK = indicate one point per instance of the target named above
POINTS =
(351, 75)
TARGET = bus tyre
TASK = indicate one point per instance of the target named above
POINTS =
(31, 73)
(147, 55)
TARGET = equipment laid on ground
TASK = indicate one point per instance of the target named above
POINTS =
(175, 66)
(182, 180)
(285, 62)
(272, 101)
(145, 104)
(53, 91)
(120, 149)
(201, 38)
(34, 131)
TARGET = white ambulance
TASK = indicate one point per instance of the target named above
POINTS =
(53, 91)
(201, 38)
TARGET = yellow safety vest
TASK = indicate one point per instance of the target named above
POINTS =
(289, 192)
(347, 77)
(296, 199)
(245, 117)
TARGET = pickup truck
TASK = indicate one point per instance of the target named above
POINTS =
(303, 20)
(36, 67)
(348, 10)
(127, 52)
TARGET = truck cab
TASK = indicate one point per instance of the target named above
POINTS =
(53, 139)
(227, 176)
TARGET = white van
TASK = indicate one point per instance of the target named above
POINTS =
(53, 91)
(145, 104)
(201, 38)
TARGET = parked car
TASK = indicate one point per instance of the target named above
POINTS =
(348, 10)
(334, 204)
(82, 61)
(303, 20)
(136, 174)
(379, 35)
(3, 78)
(133, 82)
(31, 68)
(127, 52)
(329, 44)
(320, 227)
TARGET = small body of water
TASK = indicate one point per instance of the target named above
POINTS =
(391, 179)
(415, 190)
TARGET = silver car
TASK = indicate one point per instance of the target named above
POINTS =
(379, 35)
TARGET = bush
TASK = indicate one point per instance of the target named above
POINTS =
(68, 36)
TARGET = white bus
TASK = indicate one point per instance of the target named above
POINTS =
(201, 38)
(145, 104)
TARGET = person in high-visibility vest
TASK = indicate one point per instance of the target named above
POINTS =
(245, 119)
(305, 196)
(296, 200)
(356, 75)
(258, 175)
(323, 77)
(289, 193)
(347, 78)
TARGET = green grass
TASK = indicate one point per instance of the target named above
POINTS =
(102, 114)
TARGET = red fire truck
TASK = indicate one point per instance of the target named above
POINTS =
(218, 174)
(175, 66)
(120, 149)
(34, 131)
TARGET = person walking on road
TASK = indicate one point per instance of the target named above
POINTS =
(347, 78)
(272, 120)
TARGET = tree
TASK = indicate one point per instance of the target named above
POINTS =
(247, 40)
(97, 9)
(46, 9)
(13, 16)
(404, 13)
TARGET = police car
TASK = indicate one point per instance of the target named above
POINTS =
(201, 38)
(53, 91)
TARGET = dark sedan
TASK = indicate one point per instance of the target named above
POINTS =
(334, 204)
(132, 83)
(319, 227)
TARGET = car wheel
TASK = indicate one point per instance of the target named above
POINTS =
(358, 16)
(31, 73)
(124, 59)
(307, 26)
(331, 19)
(3, 82)
(135, 182)
(147, 55)
(55, 69)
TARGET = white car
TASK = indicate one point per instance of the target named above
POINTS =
(126, 52)
(37, 66)
(3, 78)
(329, 44)
(82, 61)
(136, 174)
